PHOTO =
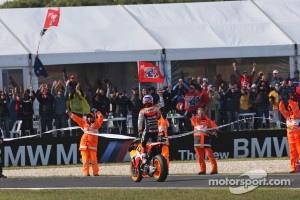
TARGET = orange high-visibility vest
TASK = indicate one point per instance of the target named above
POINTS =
(88, 141)
(200, 130)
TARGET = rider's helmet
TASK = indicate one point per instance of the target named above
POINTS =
(147, 99)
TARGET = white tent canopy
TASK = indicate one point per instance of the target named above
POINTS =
(212, 30)
(12, 53)
(285, 14)
(140, 32)
(84, 35)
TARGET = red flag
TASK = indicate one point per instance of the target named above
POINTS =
(149, 73)
(52, 18)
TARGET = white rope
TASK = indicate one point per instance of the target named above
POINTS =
(124, 137)
(105, 135)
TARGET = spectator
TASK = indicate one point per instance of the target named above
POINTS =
(213, 104)
(4, 113)
(76, 101)
(285, 90)
(245, 103)
(1, 155)
(101, 103)
(46, 105)
(167, 95)
(154, 95)
(60, 106)
(109, 88)
(204, 96)
(262, 102)
(135, 107)
(123, 105)
(112, 101)
(245, 106)
(259, 77)
(144, 92)
(71, 84)
(232, 105)
(222, 101)
(26, 111)
(252, 99)
(245, 79)
(274, 103)
(13, 107)
(275, 79)
(192, 101)
(219, 81)
(179, 89)
(295, 80)
(205, 81)
(197, 83)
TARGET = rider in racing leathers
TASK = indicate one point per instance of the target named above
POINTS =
(149, 116)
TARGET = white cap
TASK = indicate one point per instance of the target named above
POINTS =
(253, 86)
(205, 79)
(210, 86)
(275, 71)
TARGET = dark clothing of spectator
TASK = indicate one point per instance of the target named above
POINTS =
(1, 154)
(232, 107)
(46, 100)
(123, 104)
(60, 116)
(101, 103)
(167, 96)
(4, 114)
(263, 103)
(135, 107)
(26, 112)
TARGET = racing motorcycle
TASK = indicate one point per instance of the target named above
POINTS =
(155, 166)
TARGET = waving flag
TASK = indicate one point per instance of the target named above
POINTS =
(149, 73)
(39, 68)
(52, 19)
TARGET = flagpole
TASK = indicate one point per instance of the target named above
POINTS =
(30, 67)
(139, 79)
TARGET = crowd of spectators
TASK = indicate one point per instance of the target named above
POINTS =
(223, 101)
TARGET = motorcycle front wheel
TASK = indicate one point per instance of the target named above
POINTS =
(136, 174)
(161, 172)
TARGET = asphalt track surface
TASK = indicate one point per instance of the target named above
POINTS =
(117, 182)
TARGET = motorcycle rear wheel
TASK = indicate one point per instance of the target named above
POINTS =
(136, 174)
(161, 172)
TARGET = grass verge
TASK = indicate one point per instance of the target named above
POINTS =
(145, 194)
